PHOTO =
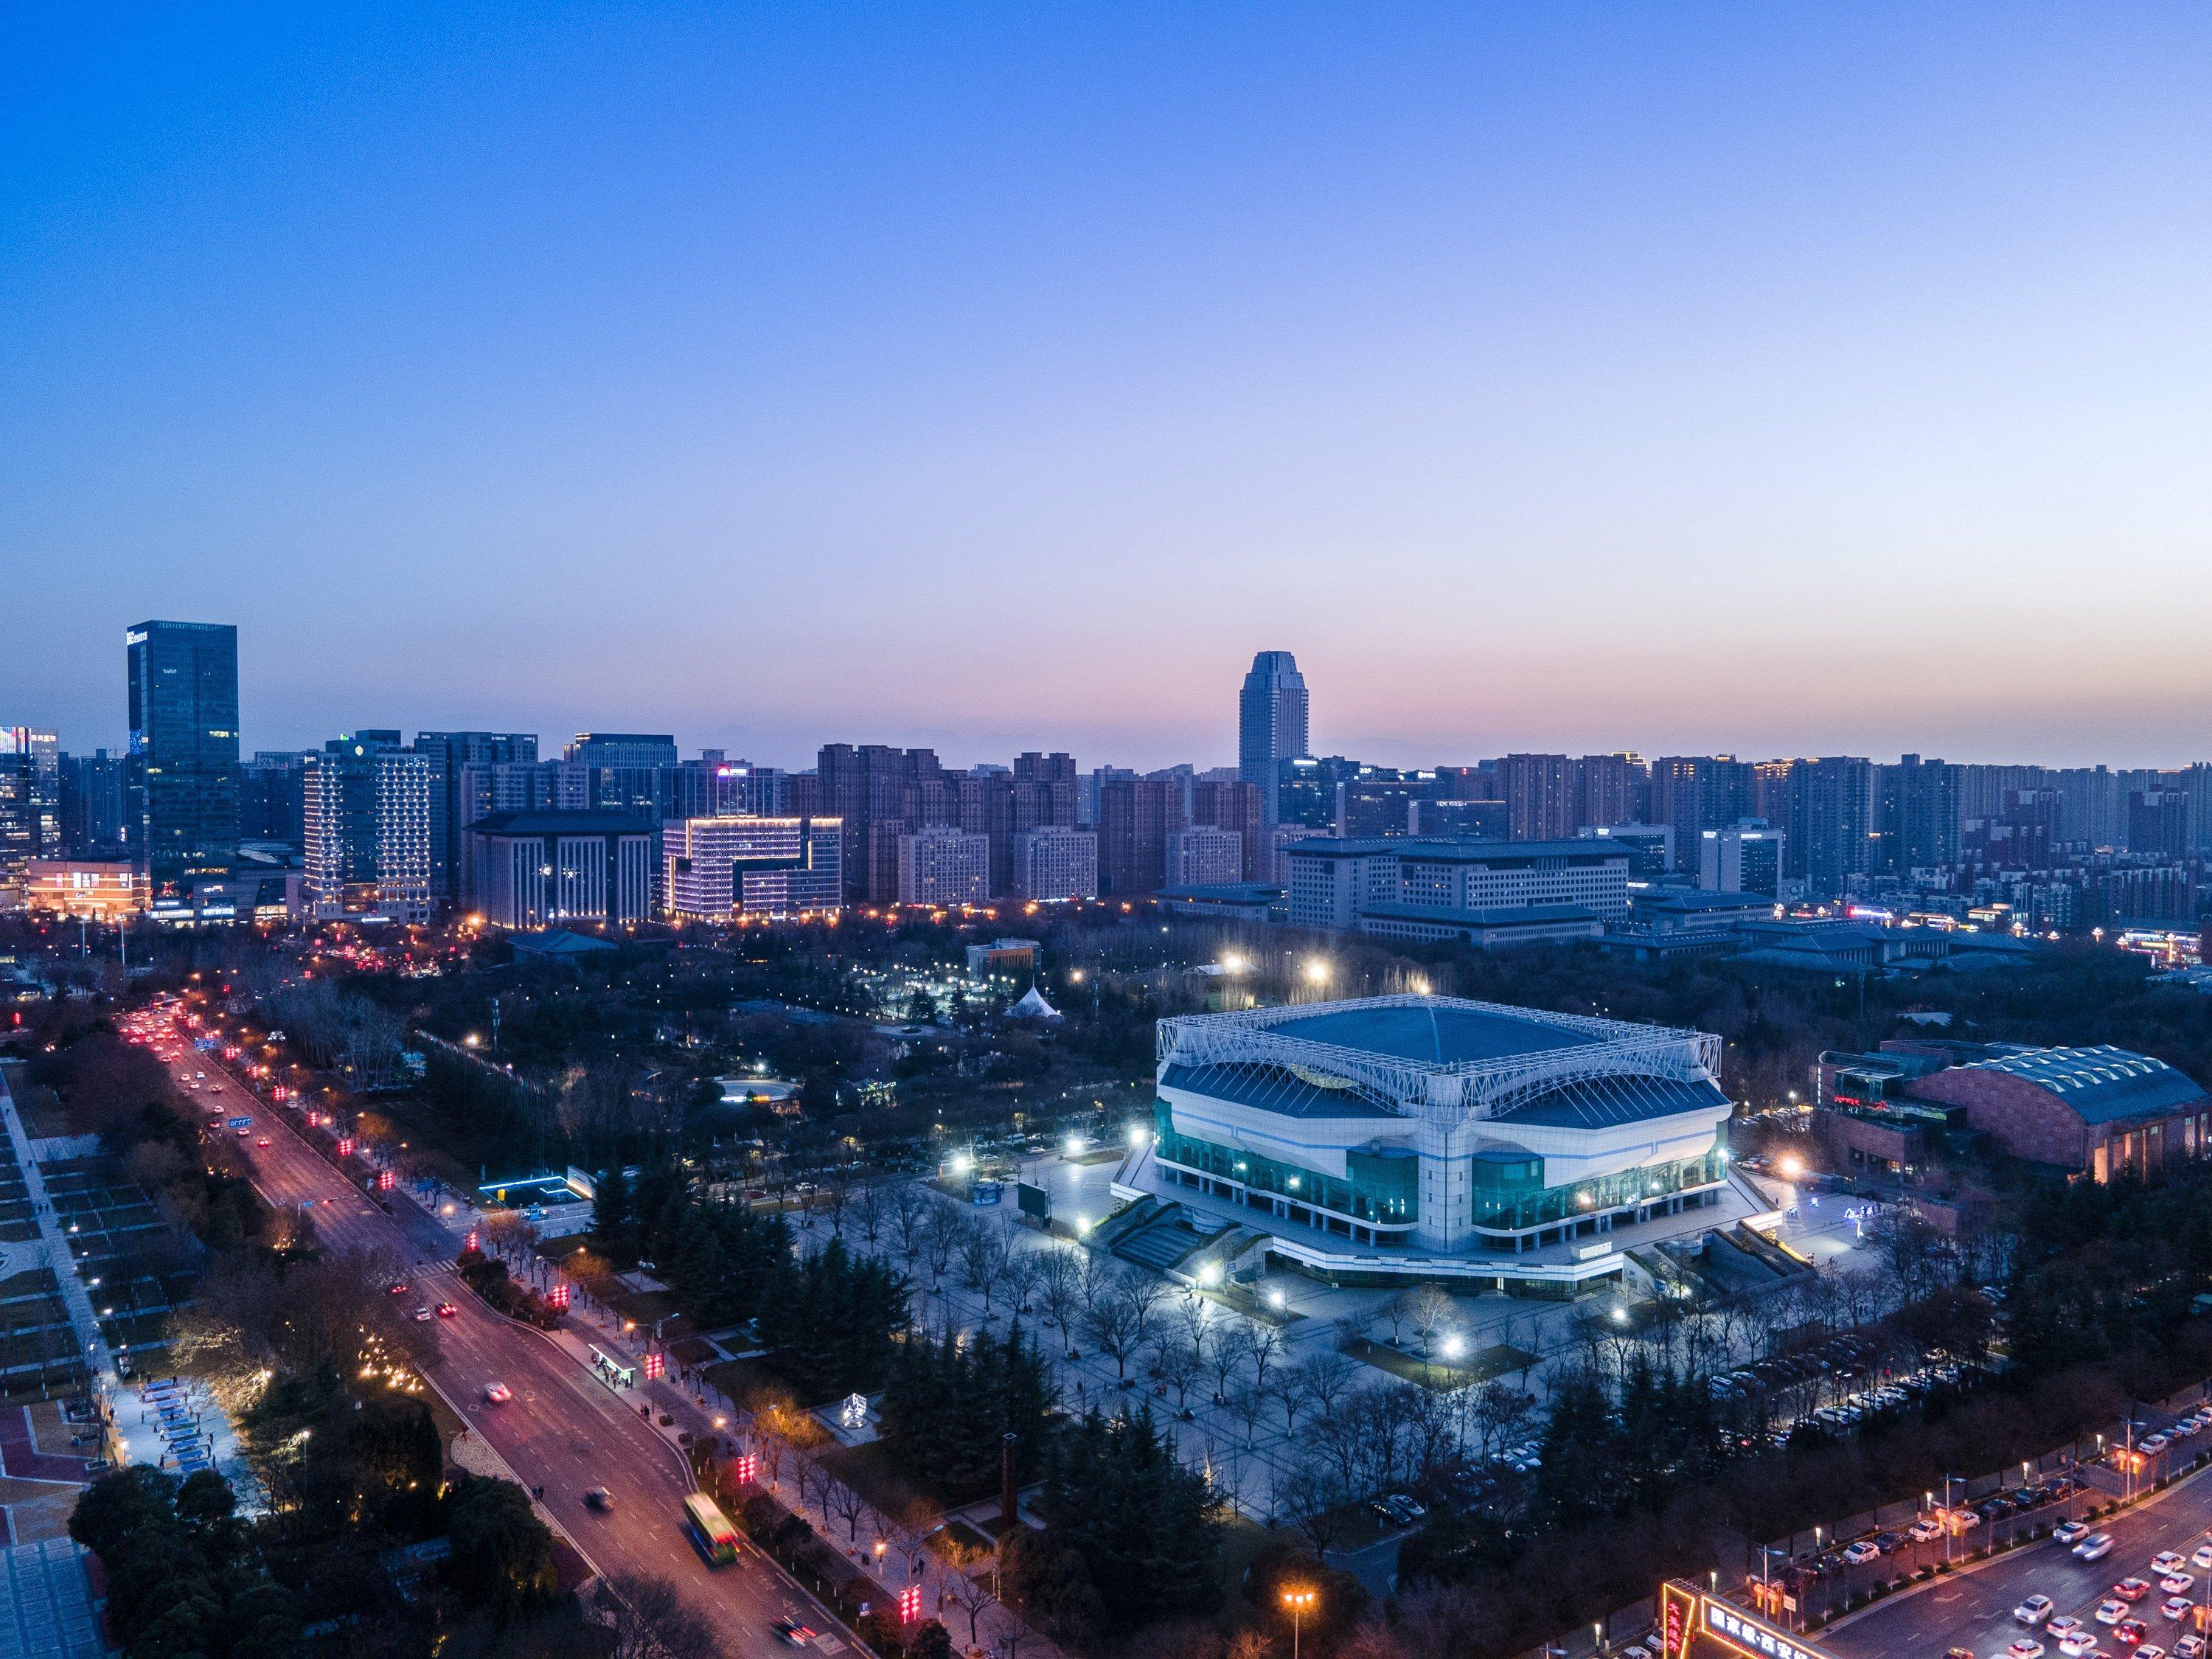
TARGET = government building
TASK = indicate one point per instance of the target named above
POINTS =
(1398, 1139)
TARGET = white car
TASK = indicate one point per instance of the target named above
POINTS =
(2178, 1582)
(498, 1393)
(2070, 1532)
(2065, 1624)
(1860, 1553)
(2190, 1647)
(2202, 1557)
(2078, 1643)
(2026, 1647)
(1924, 1529)
(2167, 1561)
(2095, 1547)
(2151, 1649)
(2175, 1606)
(2033, 1611)
(2111, 1610)
(2152, 1443)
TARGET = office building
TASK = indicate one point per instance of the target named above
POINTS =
(1398, 1138)
(183, 776)
(634, 748)
(944, 866)
(543, 869)
(367, 846)
(1135, 818)
(1484, 892)
(93, 794)
(449, 755)
(1381, 801)
(1271, 724)
(273, 799)
(719, 868)
(1235, 806)
(743, 790)
(1055, 862)
(19, 827)
(1744, 858)
(43, 751)
(877, 793)
(1650, 848)
(1460, 820)
(1203, 857)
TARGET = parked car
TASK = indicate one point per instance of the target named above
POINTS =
(1860, 1553)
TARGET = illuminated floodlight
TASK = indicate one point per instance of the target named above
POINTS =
(1232, 963)
(1792, 1166)
(1318, 972)
(1276, 1300)
(1210, 1274)
(960, 1163)
(1138, 1135)
(1454, 1347)
(1074, 1145)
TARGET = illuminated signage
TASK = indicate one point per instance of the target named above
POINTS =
(1688, 1616)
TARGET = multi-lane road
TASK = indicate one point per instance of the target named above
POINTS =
(563, 1429)
(1974, 1610)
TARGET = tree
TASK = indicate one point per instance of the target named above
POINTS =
(1129, 1521)
(1328, 1374)
(1059, 1288)
(1427, 1306)
(1180, 1364)
(646, 1618)
(1116, 1326)
(1313, 1499)
(502, 1558)
(966, 1585)
(982, 1260)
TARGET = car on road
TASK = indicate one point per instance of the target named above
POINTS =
(2202, 1558)
(2130, 1631)
(2078, 1643)
(2070, 1532)
(263, 1143)
(2189, 1647)
(2132, 1589)
(599, 1498)
(792, 1631)
(2065, 1624)
(2111, 1611)
(2150, 1650)
(422, 1315)
(446, 1310)
(2178, 1582)
(2167, 1561)
(2095, 1547)
(2026, 1647)
(1859, 1554)
(2175, 1606)
(399, 1289)
(498, 1393)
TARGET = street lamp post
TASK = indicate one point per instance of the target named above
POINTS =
(1297, 1600)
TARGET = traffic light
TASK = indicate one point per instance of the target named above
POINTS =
(909, 1604)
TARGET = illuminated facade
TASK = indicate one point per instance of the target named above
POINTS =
(367, 848)
(719, 868)
(1055, 862)
(944, 866)
(530, 870)
(183, 774)
(86, 888)
(1431, 1136)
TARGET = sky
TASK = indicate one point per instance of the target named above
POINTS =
(1761, 379)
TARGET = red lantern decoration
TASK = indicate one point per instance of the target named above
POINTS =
(656, 1367)
(558, 1296)
(384, 1181)
(469, 1240)
(748, 1469)
(345, 1147)
(909, 1604)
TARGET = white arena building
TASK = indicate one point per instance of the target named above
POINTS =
(1398, 1139)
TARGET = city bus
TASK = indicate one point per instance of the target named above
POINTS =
(710, 1529)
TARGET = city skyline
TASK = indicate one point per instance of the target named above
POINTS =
(1557, 382)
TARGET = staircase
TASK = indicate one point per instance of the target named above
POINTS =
(1161, 1245)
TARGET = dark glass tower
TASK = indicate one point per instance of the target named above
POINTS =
(1271, 725)
(183, 808)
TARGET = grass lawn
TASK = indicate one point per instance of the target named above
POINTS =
(1485, 1364)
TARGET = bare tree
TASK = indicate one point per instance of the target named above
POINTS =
(1250, 1405)
(1328, 1374)
(1427, 1306)
(648, 1617)
(910, 1214)
(940, 1243)
(1115, 1328)
(982, 1258)
(837, 1184)
(1232, 1347)
(1059, 1288)
(1293, 1394)
(1019, 1275)
(1396, 1310)
(1313, 1499)
(967, 1586)
(1181, 1364)
(844, 1501)
(1266, 1343)
(812, 1481)
(871, 1212)
(1145, 1292)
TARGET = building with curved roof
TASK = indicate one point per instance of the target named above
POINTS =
(1438, 1137)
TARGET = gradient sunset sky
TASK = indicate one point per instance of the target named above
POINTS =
(1769, 379)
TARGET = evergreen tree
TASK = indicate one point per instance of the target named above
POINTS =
(1142, 1528)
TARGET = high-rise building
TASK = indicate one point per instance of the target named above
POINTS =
(1381, 801)
(743, 789)
(1919, 819)
(1742, 858)
(367, 824)
(1135, 816)
(1203, 857)
(540, 869)
(943, 866)
(1219, 804)
(272, 801)
(1539, 796)
(880, 794)
(1830, 834)
(1608, 789)
(93, 823)
(715, 869)
(450, 754)
(1271, 724)
(183, 777)
(641, 748)
(19, 829)
(1692, 793)
(1055, 861)
(2157, 823)
(44, 753)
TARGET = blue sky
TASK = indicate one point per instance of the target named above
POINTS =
(1769, 378)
